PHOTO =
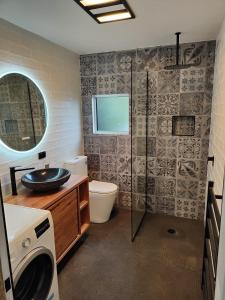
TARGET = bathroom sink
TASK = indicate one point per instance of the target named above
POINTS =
(45, 179)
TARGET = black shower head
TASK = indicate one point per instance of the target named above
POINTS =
(178, 66)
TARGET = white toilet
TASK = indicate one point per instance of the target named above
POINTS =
(102, 194)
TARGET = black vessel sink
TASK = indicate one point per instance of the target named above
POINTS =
(45, 179)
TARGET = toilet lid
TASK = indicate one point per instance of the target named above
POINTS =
(102, 187)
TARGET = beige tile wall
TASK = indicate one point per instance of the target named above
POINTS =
(56, 71)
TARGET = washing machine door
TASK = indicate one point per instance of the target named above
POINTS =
(33, 276)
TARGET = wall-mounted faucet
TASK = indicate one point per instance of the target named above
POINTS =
(13, 171)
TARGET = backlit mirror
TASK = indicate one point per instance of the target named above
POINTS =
(23, 115)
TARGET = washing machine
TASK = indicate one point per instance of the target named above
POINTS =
(32, 253)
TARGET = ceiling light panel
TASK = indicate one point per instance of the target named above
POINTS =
(114, 17)
(104, 11)
(96, 2)
(107, 9)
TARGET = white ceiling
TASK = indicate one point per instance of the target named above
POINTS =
(65, 23)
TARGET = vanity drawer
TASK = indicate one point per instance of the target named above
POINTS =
(65, 218)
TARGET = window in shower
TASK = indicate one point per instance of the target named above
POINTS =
(110, 114)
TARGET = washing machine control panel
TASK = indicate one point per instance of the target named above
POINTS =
(26, 243)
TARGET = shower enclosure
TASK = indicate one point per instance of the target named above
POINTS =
(169, 130)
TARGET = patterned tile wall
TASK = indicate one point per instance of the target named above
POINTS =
(176, 164)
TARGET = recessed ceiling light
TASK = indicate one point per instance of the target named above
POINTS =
(104, 11)
(110, 17)
(96, 2)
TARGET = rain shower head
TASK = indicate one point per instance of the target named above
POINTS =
(178, 66)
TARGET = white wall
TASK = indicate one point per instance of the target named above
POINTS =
(56, 72)
(217, 149)
(217, 133)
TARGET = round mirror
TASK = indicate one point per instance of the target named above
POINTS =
(23, 116)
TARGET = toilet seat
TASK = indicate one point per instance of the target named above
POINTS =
(100, 187)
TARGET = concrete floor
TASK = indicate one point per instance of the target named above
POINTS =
(157, 266)
(2, 290)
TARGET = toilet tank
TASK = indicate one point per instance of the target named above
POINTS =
(77, 165)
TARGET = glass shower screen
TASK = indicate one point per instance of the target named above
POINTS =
(139, 128)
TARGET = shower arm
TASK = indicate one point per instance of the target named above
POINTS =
(178, 48)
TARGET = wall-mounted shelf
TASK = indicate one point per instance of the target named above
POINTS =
(83, 204)
(84, 228)
(84, 212)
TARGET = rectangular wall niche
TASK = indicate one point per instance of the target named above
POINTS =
(11, 126)
(183, 125)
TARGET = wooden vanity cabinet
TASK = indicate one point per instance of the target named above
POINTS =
(66, 224)
(69, 208)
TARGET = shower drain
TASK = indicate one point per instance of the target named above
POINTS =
(171, 231)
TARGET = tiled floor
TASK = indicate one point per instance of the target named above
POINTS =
(157, 266)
